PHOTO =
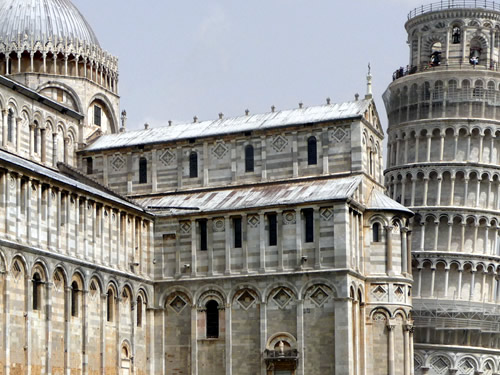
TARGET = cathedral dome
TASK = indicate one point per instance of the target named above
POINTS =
(42, 21)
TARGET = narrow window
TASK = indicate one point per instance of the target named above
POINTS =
(74, 298)
(139, 311)
(143, 170)
(237, 232)
(312, 151)
(212, 319)
(110, 306)
(273, 229)
(35, 138)
(376, 232)
(249, 158)
(10, 125)
(203, 235)
(193, 165)
(309, 224)
(37, 282)
(97, 115)
(90, 165)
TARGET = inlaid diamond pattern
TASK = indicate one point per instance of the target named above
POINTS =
(319, 297)
(118, 162)
(399, 293)
(220, 149)
(253, 221)
(167, 157)
(246, 300)
(185, 227)
(178, 304)
(379, 292)
(326, 213)
(466, 367)
(279, 143)
(339, 135)
(282, 298)
(440, 365)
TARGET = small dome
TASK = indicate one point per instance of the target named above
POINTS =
(44, 20)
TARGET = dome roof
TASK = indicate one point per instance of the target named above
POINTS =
(43, 20)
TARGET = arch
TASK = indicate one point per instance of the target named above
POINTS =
(64, 87)
(312, 151)
(432, 359)
(281, 336)
(109, 105)
(172, 291)
(280, 284)
(317, 281)
(240, 287)
(249, 158)
(210, 292)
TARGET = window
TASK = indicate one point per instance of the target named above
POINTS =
(203, 235)
(193, 165)
(143, 171)
(436, 54)
(110, 305)
(35, 138)
(90, 166)
(475, 52)
(97, 115)
(273, 229)
(312, 151)
(10, 126)
(212, 319)
(376, 232)
(237, 232)
(74, 298)
(249, 158)
(456, 33)
(139, 311)
(37, 286)
(309, 224)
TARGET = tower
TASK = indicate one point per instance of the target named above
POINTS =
(48, 46)
(444, 164)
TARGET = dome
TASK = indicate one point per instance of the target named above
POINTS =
(44, 20)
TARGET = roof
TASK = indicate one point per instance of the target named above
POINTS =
(8, 158)
(268, 195)
(220, 127)
(43, 21)
(32, 94)
(381, 202)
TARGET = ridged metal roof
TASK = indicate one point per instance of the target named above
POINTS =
(41, 20)
(299, 116)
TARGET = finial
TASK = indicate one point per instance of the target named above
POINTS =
(169, 122)
(369, 93)
(124, 121)
(221, 116)
(301, 105)
(356, 96)
(146, 126)
(328, 101)
(273, 108)
(247, 112)
(195, 119)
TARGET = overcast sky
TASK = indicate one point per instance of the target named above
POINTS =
(179, 59)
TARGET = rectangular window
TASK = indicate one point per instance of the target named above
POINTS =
(97, 115)
(237, 232)
(309, 224)
(273, 229)
(143, 171)
(90, 166)
(203, 235)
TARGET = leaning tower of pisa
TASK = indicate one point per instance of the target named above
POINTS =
(444, 163)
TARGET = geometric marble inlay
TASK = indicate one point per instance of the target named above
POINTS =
(379, 292)
(282, 298)
(167, 157)
(279, 143)
(178, 304)
(220, 149)
(319, 297)
(118, 162)
(246, 300)
(253, 221)
(440, 365)
(339, 135)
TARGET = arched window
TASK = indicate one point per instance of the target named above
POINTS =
(212, 319)
(249, 158)
(35, 138)
(376, 232)
(139, 311)
(143, 171)
(456, 35)
(74, 298)
(37, 288)
(10, 126)
(312, 151)
(110, 305)
(475, 52)
(193, 165)
(436, 54)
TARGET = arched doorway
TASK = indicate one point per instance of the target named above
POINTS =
(125, 361)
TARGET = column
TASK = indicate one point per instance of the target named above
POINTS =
(229, 340)
(263, 157)
(298, 236)
(441, 148)
(244, 223)
(279, 219)
(404, 253)
(388, 236)
(43, 145)
(408, 250)
(317, 242)
(478, 191)
(440, 182)
(295, 161)
(300, 333)
(85, 331)
(413, 185)
(193, 248)
(426, 189)
(422, 236)
(262, 242)
(390, 328)
(4, 126)
(429, 138)
(227, 221)
(455, 151)
(446, 280)
(452, 191)
(48, 333)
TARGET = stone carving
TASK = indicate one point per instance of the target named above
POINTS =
(399, 293)
(289, 217)
(319, 297)
(219, 225)
(167, 157)
(339, 135)
(466, 366)
(379, 292)
(279, 143)
(253, 221)
(282, 298)
(220, 149)
(246, 300)
(440, 365)
(185, 227)
(178, 304)
(118, 162)
(326, 213)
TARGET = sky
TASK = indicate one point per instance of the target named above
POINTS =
(180, 59)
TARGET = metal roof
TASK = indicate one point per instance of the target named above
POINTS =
(307, 115)
(233, 199)
(381, 202)
(44, 20)
(7, 158)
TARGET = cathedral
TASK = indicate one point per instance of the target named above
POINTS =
(269, 244)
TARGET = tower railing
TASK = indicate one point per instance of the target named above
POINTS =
(454, 4)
